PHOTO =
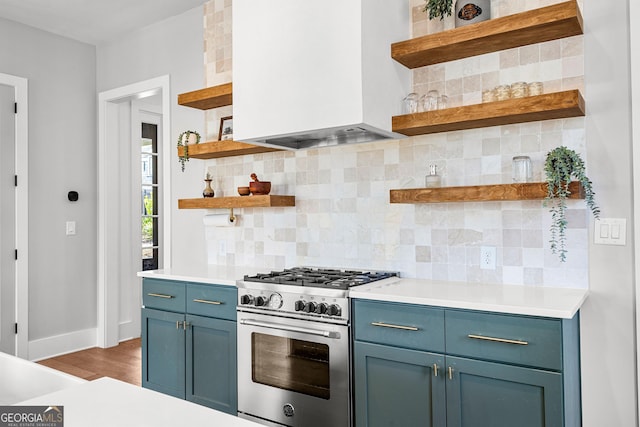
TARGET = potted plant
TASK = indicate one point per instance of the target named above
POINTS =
(438, 8)
(185, 139)
(561, 165)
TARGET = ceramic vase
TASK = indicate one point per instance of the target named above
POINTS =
(469, 12)
(208, 191)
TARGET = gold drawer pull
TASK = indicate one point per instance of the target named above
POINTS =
(160, 295)
(204, 301)
(503, 340)
(388, 325)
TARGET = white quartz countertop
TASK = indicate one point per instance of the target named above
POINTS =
(525, 300)
(106, 402)
(212, 274)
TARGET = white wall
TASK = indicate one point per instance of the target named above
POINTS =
(62, 157)
(173, 47)
(607, 329)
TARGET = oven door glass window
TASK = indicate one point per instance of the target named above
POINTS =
(290, 364)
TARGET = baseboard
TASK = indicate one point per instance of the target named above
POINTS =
(128, 330)
(45, 348)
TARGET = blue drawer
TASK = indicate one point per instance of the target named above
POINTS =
(212, 300)
(401, 325)
(521, 340)
(163, 295)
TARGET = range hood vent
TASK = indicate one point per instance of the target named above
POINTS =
(314, 74)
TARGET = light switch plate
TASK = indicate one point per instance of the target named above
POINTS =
(71, 228)
(610, 231)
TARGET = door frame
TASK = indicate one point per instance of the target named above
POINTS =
(108, 236)
(20, 85)
(634, 44)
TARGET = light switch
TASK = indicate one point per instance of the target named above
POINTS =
(71, 228)
(610, 231)
(604, 231)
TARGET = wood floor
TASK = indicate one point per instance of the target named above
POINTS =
(122, 362)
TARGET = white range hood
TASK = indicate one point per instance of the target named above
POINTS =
(316, 73)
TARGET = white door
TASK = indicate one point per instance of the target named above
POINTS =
(7, 221)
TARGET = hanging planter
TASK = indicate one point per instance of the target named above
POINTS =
(185, 139)
(561, 165)
(438, 8)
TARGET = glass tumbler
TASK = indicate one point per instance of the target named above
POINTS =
(431, 101)
(522, 171)
(411, 103)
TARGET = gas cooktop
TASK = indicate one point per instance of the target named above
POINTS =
(320, 277)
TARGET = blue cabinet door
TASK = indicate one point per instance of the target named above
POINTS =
(211, 363)
(481, 394)
(398, 387)
(163, 352)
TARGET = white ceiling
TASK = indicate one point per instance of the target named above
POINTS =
(92, 21)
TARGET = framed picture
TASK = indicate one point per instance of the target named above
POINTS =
(226, 129)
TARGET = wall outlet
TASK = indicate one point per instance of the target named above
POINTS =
(222, 248)
(488, 257)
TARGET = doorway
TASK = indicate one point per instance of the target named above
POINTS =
(14, 253)
(7, 221)
(119, 206)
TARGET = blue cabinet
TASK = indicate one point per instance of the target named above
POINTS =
(489, 369)
(189, 342)
(398, 386)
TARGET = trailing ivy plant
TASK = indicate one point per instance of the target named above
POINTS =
(183, 141)
(438, 8)
(561, 165)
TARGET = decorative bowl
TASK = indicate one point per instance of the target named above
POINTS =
(260, 187)
(244, 191)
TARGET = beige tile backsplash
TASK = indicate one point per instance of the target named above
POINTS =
(343, 217)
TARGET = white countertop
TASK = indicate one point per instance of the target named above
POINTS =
(22, 379)
(106, 402)
(526, 300)
(212, 274)
(560, 303)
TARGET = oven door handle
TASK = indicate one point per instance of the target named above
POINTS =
(289, 328)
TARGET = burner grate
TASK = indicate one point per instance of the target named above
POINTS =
(320, 277)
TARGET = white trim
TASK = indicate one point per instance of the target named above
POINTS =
(634, 45)
(22, 211)
(62, 344)
(108, 293)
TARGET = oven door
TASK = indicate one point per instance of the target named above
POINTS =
(293, 372)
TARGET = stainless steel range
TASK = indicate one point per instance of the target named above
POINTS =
(294, 345)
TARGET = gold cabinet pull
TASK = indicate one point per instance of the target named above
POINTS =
(185, 325)
(450, 372)
(160, 295)
(178, 323)
(204, 301)
(435, 369)
(389, 325)
(493, 339)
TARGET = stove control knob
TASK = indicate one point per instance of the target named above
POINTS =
(299, 305)
(321, 308)
(334, 310)
(310, 307)
(246, 299)
(259, 302)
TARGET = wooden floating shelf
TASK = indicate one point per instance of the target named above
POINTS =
(218, 149)
(557, 105)
(208, 98)
(480, 193)
(259, 201)
(535, 26)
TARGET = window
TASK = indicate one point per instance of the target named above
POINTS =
(149, 195)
